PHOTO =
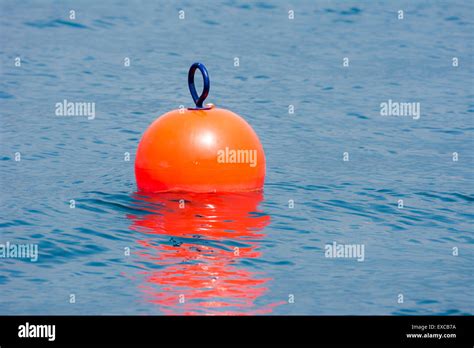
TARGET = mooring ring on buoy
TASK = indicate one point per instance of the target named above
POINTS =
(198, 100)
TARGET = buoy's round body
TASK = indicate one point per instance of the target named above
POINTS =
(211, 150)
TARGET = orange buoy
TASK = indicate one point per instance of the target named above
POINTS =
(201, 149)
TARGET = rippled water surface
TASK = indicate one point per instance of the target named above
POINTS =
(242, 253)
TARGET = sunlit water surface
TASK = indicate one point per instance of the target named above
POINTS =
(243, 253)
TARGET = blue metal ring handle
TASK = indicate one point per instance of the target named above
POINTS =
(207, 84)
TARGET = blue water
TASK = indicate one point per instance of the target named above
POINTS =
(248, 254)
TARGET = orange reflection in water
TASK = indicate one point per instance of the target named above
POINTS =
(210, 235)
